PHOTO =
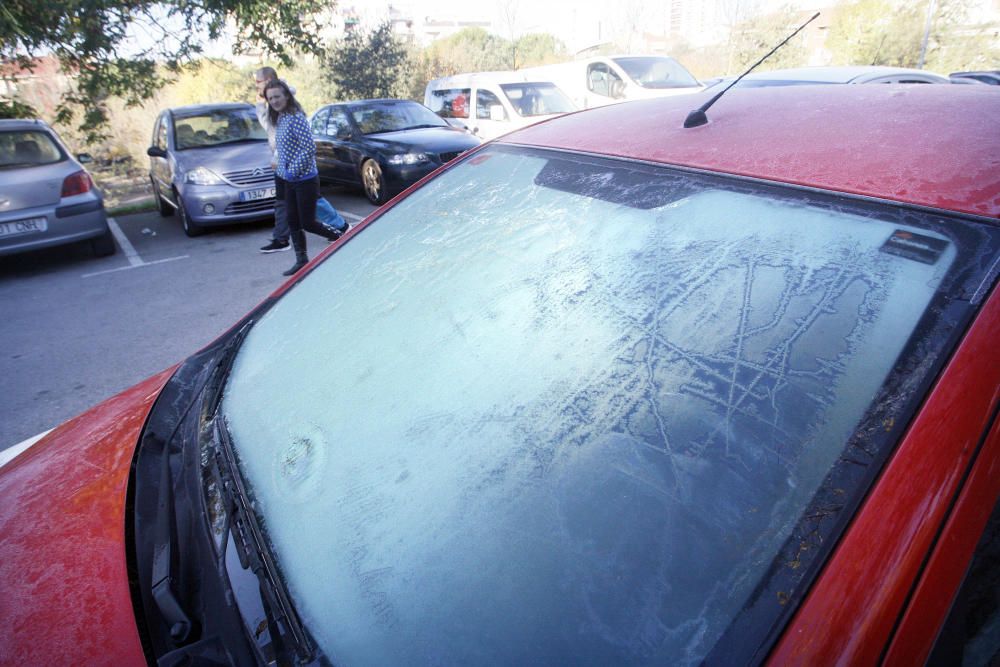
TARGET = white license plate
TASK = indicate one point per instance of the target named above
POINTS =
(254, 195)
(29, 226)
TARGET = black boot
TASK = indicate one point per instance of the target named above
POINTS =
(301, 259)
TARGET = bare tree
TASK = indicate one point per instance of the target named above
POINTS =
(732, 14)
(631, 23)
(508, 16)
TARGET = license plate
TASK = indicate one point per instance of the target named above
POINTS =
(254, 195)
(29, 226)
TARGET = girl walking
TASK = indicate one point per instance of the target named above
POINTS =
(296, 177)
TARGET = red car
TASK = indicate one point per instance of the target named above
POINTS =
(605, 391)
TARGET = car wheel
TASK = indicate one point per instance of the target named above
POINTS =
(374, 184)
(103, 245)
(191, 228)
(165, 209)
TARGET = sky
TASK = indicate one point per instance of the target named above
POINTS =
(577, 23)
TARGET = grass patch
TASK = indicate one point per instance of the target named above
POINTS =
(137, 207)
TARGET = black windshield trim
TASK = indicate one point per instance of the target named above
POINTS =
(784, 185)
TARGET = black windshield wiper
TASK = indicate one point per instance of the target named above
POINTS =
(162, 580)
(286, 629)
(165, 560)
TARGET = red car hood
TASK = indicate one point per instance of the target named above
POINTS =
(66, 597)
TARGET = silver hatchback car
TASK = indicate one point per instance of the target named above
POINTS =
(211, 163)
(47, 198)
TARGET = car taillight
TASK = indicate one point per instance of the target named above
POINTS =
(76, 184)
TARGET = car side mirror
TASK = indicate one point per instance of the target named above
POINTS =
(84, 158)
(497, 112)
(156, 151)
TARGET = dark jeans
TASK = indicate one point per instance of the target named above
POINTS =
(280, 212)
(300, 200)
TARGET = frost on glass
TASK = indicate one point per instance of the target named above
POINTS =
(515, 424)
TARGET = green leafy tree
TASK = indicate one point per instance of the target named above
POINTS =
(468, 50)
(540, 49)
(875, 32)
(16, 109)
(93, 42)
(368, 64)
(213, 80)
(880, 32)
(313, 88)
(475, 50)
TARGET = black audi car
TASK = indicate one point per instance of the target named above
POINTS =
(383, 145)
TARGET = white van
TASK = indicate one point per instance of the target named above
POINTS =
(604, 80)
(489, 104)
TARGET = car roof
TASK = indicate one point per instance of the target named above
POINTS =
(855, 74)
(979, 77)
(195, 109)
(934, 146)
(527, 75)
(9, 124)
(619, 56)
(374, 100)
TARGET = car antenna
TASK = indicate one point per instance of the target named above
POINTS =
(698, 117)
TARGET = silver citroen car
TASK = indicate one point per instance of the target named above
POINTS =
(211, 164)
(47, 198)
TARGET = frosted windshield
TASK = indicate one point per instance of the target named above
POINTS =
(548, 411)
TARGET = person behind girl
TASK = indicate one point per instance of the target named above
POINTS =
(297, 179)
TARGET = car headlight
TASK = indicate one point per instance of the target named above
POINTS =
(408, 158)
(202, 176)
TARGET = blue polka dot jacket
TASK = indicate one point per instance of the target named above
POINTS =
(295, 154)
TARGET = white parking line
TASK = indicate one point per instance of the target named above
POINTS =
(134, 266)
(127, 247)
(134, 260)
(8, 454)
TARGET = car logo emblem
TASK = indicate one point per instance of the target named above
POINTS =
(4, 202)
(258, 171)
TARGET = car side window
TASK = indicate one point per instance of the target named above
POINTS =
(319, 122)
(337, 125)
(451, 103)
(484, 100)
(971, 634)
(602, 80)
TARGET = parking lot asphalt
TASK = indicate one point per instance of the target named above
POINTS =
(76, 330)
